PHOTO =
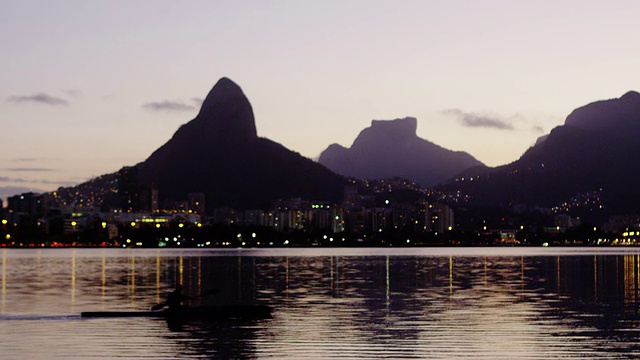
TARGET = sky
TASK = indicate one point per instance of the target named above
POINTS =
(88, 87)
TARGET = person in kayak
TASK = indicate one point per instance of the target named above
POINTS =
(176, 298)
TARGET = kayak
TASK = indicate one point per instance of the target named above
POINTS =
(223, 312)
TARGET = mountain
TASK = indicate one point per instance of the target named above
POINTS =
(391, 148)
(591, 159)
(219, 153)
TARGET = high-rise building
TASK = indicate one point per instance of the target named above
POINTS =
(129, 189)
(351, 198)
(148, 198)
(196, 203)
(439, 218)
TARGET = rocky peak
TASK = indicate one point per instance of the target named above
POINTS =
(392, 148)
(226, 113)
(405, 126)
(220, 155)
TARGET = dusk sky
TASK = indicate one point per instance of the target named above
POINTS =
(90, 86)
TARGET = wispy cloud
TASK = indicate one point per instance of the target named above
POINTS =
(30, 169)
(168, 106)
(18, 180)
(55, 182)
(537, 129)
(23, 160)
(40, 98)
(479, 120)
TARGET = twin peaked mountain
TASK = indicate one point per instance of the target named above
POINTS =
(220, 154)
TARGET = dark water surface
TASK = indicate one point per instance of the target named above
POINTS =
(485, 303)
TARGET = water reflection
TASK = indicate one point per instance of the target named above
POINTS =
(73, 280)
(4, 281)
(413, 304)
(610, 279)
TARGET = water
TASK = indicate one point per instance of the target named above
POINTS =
(480, 303)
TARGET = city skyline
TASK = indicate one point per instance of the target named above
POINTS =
(89, 88)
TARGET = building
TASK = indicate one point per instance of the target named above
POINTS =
(129, 189)
(148, 199)
(196, 203)
(565, 221)
(224, 215)
(73, 225)
(439, 218)
(27, 203)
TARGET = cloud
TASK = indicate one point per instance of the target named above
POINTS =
(477, 120)
(30, 169)
(59, 183)
(37, 181)
(168, 106)
(40, 98)
(23, 159)
(537, 129)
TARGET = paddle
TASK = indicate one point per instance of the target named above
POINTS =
(206, 293)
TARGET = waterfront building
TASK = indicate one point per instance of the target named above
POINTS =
(27, 203)
(73, 225)
(440, 218)
(149, 198)
(129, 189)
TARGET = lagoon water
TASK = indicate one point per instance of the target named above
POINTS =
(411, 303)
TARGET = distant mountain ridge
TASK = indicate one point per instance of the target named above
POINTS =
(606, 115)
(391, 148)
(595, 151)
(219, 153)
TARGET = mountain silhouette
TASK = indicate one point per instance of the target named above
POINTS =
(392, 148)
(595, 151)
(219, 153)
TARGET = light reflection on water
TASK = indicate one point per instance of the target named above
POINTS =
(439, 303)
